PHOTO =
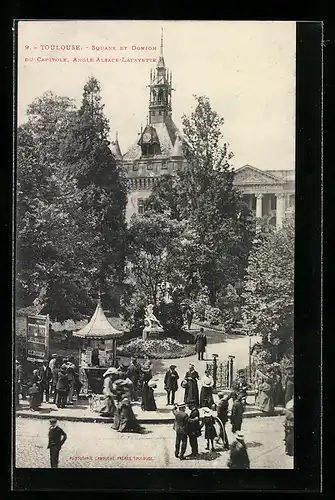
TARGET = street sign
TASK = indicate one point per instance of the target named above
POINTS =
(37, 337)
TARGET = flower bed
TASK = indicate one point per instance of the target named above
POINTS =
(166, 348)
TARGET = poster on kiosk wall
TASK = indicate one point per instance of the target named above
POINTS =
(37, 338)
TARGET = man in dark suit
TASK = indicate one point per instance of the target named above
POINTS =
(133, 373)
(180, 426)
(236, 416)
(45, 376)
(193, 428)
(200, 344)
(171, 384)
(57, 438)
(222, 414)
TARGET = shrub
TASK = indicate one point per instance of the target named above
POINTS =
(166, 348)
(213, 315)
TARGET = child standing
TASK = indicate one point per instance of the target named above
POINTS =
(210, 432)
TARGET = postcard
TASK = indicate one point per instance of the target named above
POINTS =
(155, 199)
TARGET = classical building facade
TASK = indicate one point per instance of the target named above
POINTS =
(159, 151)
(267, 192)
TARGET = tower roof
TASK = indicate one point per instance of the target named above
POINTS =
(166, 135)
(98, 327)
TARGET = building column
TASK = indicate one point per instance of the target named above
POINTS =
(259, 205)
(280, 209)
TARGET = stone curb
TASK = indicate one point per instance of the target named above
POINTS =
(149, 420)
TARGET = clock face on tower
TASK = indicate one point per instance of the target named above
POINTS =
(146, 137)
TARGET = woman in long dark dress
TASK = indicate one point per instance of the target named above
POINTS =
(206, 392)
(119, 391)
(210, 433)
(148, 399)
(289, 387)
(35, 398)
(127, 420)
(191, 386)
(278, 391)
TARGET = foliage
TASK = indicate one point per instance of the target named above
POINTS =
(171, 316)
(269, 289)
(203, 198)
(70, 206)
(165, 348)
(52, 236)
(213, 315)
(104, 190)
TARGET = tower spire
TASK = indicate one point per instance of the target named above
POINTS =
(162, 34)
(161, 63)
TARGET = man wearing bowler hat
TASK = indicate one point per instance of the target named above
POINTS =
(180, 427)
(57, 438)
(171, 384)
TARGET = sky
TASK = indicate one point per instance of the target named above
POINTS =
(246, 68)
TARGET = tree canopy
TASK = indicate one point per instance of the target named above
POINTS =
(71, 202)
(268, 293)
(203, 197)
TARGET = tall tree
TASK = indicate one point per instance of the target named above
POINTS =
(269, 287)
(38, 168)
(103, 184)
(203, 194)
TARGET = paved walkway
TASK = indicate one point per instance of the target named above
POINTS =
(235, 346)
(82, 412)
(102, 447)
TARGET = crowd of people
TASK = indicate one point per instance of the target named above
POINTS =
(57, 379)
(197, 415)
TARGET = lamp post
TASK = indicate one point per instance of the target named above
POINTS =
(231, 370)
(215, 369)
(249, 356)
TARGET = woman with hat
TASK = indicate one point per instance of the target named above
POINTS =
(109, 407)
(206, 392)
(171, 384)
(35, 398)
(210, 433)
(148, 399)
(62, 387)
(190, 385)
(127, 421)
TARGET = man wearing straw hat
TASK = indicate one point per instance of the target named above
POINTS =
(238, 458)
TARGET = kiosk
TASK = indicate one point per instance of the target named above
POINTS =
(97, 351)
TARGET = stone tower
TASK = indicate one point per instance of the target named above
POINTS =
(159, 149)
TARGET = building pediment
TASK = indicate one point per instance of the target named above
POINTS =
(251, 175)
